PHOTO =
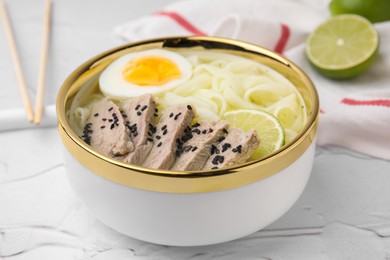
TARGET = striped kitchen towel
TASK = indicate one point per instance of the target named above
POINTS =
(354, 113)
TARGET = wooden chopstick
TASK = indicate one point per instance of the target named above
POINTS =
(16, 61)
(43, 64)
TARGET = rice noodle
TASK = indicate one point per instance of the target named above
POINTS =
(222, 82)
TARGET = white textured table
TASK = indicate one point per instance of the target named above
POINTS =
(344, 213)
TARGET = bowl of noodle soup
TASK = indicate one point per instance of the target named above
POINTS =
(202, 207)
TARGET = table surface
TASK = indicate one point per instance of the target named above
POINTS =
(344, 213)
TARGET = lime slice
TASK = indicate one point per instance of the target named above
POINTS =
(268, 128)
(343, 46)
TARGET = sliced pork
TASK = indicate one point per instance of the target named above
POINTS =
(171, 126)
(233, 149)
(130, 135)
(105, 129)
(192, 153)
(140, 116)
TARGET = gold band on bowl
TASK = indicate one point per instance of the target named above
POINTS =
(196, 181)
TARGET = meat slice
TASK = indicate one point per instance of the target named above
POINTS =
(232, 150)
(173, 122)
(140, 114)
(193, 154)
(105, 129)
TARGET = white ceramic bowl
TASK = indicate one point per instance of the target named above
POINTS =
(188, 208)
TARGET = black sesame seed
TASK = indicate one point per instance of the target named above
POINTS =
(158, 137)
(155, 114)
(135, 134)
(196, 130)
(204, 131)
(196, 125)
(110, 109)
(189, 107)
(234, 150)
(225, 131)
(144, 107)
(95, 115)
(180, 150)
(171, 115)
(211, 130)
(194, 149)
(133, 127)
(225, 146)
(177, 116)
(214, 168)
(239, 147)
(110, 120)
(212, 149)
(221, 159)
(152, 128)
(149, 139)
(187, 148)
(164, 127)
(136, 108)
(112, 126)
(215, 160)
(103, 126)
(139, 113)
(221, 139)
(104, 119)
(165, 132)
(159, 144)
(156, 110)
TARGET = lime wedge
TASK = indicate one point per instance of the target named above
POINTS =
(268, 128)
(343, 46)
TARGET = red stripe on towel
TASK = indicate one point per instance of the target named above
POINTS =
(182, 22)
(281, 44)
(375, 102)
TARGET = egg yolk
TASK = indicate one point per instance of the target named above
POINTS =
(150, 71)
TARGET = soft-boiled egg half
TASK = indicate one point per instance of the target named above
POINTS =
(144, 72)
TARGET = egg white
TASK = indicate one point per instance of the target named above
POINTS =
(113, 84)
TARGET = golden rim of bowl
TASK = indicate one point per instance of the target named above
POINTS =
(194, 181)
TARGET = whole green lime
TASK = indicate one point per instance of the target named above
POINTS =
(373, 10)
